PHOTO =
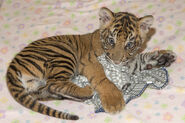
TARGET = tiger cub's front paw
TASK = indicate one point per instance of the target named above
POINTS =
(112, 101)
(166, 59)
(162, 58)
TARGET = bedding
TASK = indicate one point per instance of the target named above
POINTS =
(23, 21)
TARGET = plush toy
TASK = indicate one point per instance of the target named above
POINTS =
(132, 85)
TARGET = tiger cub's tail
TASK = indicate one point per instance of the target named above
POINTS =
(20, 95)
(35, 105)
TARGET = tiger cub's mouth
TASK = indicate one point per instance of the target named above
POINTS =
(116, 62)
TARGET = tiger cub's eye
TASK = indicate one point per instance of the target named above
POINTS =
(111, 41)
(129, 45)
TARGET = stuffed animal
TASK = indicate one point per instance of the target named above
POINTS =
(132, 85)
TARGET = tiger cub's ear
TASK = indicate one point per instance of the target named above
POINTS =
(145, 24)
(106, 17)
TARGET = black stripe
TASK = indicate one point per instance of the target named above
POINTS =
(69, 45)
(63, 72)
(62, 61)
(117, 25)
(115, 30)
(41, 108)
(47, 110)
(141, 59)
(54, 37)
(54, 84)
(144, 56)
(34, 64)
(49, 55)
(46, 50)
(104, 31)
(32, 104)
(59, 115)
(63, 49)
(22, 97)
(54, 113)
(59, 77)
(12, 80)
(42, 52)
(19, 61)
(65, 57)
(59, 55)
(28, 101)
(60, 39)
(16, 95)
(89, 57)
(15, 69)
(63, 66)
(34, 51)
(35, 43)
(135, 67)
(119, 32)
(21, 64)
(16, 90)
(33, 56)
(70, 40)
(43, 41)
(39, 42)
(139, 67)
(76, 42)
(62, 78)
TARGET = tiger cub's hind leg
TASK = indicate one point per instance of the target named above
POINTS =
(69, 90)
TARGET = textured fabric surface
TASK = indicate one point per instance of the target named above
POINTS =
(131, 85)
(23, 21)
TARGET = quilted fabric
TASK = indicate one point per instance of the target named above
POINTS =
(131, 85)
(23, 21)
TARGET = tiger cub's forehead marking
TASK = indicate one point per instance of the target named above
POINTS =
(124, 23)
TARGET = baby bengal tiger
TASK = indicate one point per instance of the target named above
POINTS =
(43, 70)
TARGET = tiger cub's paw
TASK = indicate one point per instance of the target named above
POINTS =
(112, 101)
(162, 58)
(166, 59)
(86, 92)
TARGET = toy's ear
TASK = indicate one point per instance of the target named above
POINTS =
(106, 17)
(145, 24)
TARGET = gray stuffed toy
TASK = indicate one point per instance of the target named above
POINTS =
(132, 85)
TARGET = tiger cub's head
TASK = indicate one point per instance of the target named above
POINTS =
(122, 34)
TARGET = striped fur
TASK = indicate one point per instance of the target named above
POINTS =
(149, 60)
(43, 70)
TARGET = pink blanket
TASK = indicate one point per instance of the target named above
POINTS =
(23, 21)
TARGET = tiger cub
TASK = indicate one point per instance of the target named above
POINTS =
(44, 69)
